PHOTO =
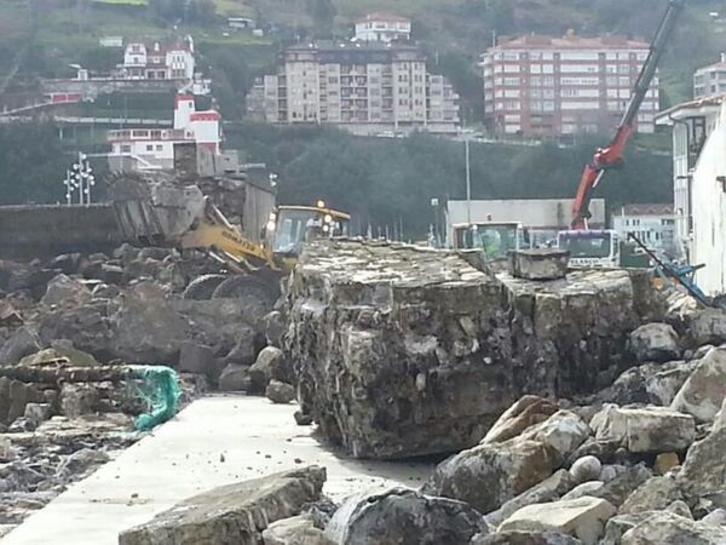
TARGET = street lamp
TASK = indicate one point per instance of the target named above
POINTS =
(80, 178)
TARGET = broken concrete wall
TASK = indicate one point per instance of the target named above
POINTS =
(402, 351)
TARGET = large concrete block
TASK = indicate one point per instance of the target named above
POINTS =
(546, 264)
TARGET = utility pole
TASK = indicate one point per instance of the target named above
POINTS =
(468, 179)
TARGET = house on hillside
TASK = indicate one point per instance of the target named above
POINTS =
(710, 80)
(382, 27)
(699, 186)
(653, 224)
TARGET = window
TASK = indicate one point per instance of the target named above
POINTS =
(149, 147)
(125, 148)
(159, 147)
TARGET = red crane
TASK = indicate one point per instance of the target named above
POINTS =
(612, 155)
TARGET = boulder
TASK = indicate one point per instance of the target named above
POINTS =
(234, 378)
(655, 342)
(589, 488)
(64, 290)
(705, 390)
(564, 432)
(655, 494)
(298, 530)
(526, 538)
(279, 392)
(197, 358)
(665, 528)
(651, 383)
(265, 367)
(275, 328)
(648, 429)
(587, 468)
(24, 341)
(273, 359)
(245, 350)
(617, 489)
(715, 518)
(404, 517)
(702, 473)
(708, 326)
(86, 326)
(526, 412)
(236, 513)
(508, 469)
(583, 518)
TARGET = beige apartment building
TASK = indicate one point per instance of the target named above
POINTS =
(367, 88)
(544, 86)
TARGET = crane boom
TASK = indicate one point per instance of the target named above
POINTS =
(612, 155)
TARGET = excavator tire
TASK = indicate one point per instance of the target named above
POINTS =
(202, 288)
(258, 295)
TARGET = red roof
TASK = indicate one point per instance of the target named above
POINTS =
(182, 98)
(209, 115)
(571, 41)
(652, 209)
(382, 16)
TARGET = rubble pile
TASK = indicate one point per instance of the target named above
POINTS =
(402, 351)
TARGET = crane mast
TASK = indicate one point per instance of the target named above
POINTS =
(612, 155)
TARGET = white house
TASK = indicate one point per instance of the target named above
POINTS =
(699, 186)
(653, 224)
(158, 61)
(153, 149)
(710, 80)
(382, 27)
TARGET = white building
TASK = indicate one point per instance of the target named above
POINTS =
(699, 186)
(382, 27)
(653, 224)
(153, 149)
(710, 80)
(367, 88)
(158, 61)
(544, 86)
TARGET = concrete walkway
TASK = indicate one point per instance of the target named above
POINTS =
(214, 441)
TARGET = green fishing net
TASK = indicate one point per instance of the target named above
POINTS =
(160, 390)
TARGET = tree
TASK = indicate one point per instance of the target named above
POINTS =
(323, 13)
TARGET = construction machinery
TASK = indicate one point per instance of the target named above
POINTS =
(612, 156)
(160, 211)
(494, 239)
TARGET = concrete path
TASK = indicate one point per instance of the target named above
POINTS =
(214, 441)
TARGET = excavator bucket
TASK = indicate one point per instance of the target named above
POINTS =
(154, 209)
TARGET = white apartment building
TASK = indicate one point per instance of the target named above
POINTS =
(710, 80)
(367, 88)
(157, 61)
(543, 86)
(653, 224)
(382, 27)
(153, 149)
(699, 186)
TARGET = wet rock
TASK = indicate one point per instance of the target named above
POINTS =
(404, 517)
(587, 468)
(551, 489)
(526, 538)
(526, 412)
(583, 518)
(509, 469)
(655, 342)
(298, 530)
(655, 494)
(64, 290)
(279, 392)
(666, 528)
(650, 429)
(234, 378)
(23, 341)
(705, 390)
(236, 513)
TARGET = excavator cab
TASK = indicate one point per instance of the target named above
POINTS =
(290, 227)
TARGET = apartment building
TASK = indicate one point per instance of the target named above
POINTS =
(368, 88)
(710, 80)
(653, 224)
(382, 27)
(544, 86)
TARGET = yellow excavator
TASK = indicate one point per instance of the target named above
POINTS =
(154, 211)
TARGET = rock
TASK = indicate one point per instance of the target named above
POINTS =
(236, 513)
(583, 518)
(234, 378)
(63, 290)
(37, 412)
(82, 460)
(589, 488)
(715, 518)
(544, 264)
(526, 538)
(651, 383)
(302, 419)
(67, 263)
(509, 469)
(275, 328)
(298, 530)
(60, 353)
(665, 462)
(655, 494)
(650, 429)
(564, 431)
(404, 517)
(261, 373)
(705, 390)
(708, 326)
(279, 392)
(273, 358)
(587, 468)
(78, 399)
(23, 341)
(197, 358)
(551, 489)
(703, 470)
(86, 326)
(655, 342)
(466, 344)
(617, 490)
(244, 352)
(666, 528)
(526, 412)
(609, 472)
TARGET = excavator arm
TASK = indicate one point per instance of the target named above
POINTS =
(612, 155)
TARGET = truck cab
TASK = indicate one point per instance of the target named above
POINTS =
(595, 248)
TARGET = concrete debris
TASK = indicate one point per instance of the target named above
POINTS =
(545, 264)
(404, 517)
(655, 342)
(526, 538)
(457, 329)
(526, 412)
(654, 494)
(236, 513)
(235, 378)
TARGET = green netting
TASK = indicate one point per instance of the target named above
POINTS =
(160, 390)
